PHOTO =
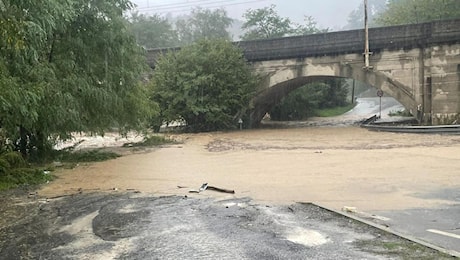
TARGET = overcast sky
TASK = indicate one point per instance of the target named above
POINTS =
(328, 13)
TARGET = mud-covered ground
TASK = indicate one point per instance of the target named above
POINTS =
(131, 225)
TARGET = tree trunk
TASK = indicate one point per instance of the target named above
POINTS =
(23, 141)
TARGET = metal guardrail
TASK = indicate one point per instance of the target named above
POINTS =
(436, 129)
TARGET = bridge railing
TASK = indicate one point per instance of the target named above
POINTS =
(343, 42)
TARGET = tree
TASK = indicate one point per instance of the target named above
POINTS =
(300, 104)
(310, 26)
(68, 66)
(410, 11)
(152, 31)
(303, 102)
(356, 17)
(203, 24)
(207, 84)
(265, 23)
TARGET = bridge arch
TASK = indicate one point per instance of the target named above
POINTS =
(283, 76)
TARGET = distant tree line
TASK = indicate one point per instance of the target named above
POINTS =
(397, 12)
(158, 32)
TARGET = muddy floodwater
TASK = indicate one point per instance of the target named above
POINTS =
(330, 166)
(139, 206)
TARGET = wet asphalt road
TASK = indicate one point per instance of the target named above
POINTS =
(439, 226)
(135, 226)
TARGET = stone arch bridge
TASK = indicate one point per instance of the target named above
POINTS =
(418, 65)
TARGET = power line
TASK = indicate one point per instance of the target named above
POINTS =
(183, 7)
(193, 4)
(175, 4)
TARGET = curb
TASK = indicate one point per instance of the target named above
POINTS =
(452, 253)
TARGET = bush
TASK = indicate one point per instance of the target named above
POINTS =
(9, 161)
(208, 85)
(15, 159)
(14, 172)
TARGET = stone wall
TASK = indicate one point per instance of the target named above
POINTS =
(442, 84)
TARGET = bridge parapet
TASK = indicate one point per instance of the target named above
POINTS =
(344, 42)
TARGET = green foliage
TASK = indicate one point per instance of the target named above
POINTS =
(203, 24)
(305, 101)
(4, 165)
(157, 32)
(299, 104)
(334, 93)
(13, 159)
(334, 111)
(152, 31)
(310, 26)
(410, 11)
(22, 176)
(68, 66)
(265, 23)
(14, 172)
(208, 85)
(356, 17)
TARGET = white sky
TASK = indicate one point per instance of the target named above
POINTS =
(328, 13)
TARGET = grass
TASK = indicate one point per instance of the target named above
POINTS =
(23, 177)
(403, 249)
(335, 111)
(16, 172)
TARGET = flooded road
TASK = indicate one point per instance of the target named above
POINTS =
(408, 182)
(138, 206)
(332, 166)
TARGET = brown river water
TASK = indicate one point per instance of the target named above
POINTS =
(330, 166)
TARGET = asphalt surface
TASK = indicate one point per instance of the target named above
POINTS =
(135, 226)
(439, 226)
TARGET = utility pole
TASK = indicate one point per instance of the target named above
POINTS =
(367, 53)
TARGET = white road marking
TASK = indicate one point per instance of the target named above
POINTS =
(443, 233)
